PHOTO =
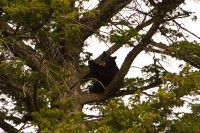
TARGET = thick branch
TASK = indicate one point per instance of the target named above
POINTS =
(25, 52)
(116, 82)
(114, 48)
(19, 48)
(7, 127)
(114, 86)
(4, 79)
(152, 3)
(110, 51)
(105, 11)
(111, 89)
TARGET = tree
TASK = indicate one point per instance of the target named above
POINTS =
(43, 67)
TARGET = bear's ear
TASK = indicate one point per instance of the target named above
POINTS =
(115, 57)
(104, 53)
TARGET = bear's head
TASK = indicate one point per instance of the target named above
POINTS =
(108, 61)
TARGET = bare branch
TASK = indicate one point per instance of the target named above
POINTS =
(132, 91)
(20, 49)
(114, 48)
(25, 52)
(8, 127)
(105, 10)
(164, 49)
(116, 82)
(179, 25)
(5, 79)
(111, 89)
(16, 86)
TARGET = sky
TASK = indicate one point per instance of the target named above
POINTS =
(143, 59)
(170, 64)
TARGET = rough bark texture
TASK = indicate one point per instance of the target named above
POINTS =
(59, 65)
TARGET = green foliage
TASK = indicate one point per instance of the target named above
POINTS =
(154, 113)
(133, 82)
(151, 73)
(45, 18)
(170, 32)
(128, 37)
(185, 48)
(188, 123)
(56, 120)
(139, 117)
(186, 83)
(42, 55)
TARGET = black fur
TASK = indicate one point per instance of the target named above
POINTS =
(103, 73)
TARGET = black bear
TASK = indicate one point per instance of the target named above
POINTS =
(103, 73)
